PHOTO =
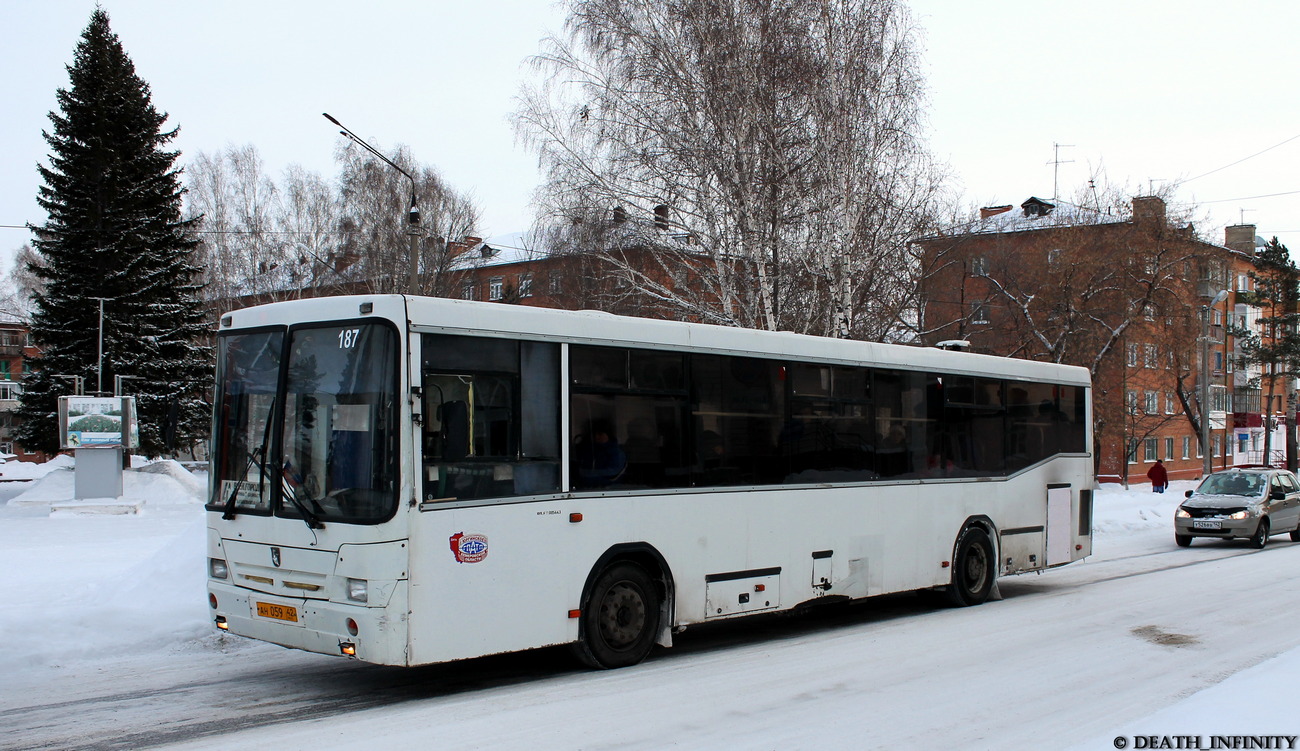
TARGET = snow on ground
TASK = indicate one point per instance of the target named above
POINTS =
(77, 586)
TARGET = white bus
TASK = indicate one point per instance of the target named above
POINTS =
(410, 480)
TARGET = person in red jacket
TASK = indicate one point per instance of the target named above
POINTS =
(1159, 477)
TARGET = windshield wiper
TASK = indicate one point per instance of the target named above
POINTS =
(229, 512)
(313, 521)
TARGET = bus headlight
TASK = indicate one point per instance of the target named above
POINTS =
(357, 590)
(217, 568)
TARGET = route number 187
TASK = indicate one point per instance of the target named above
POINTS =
(348, 338)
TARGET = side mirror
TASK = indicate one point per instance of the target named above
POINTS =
(1278, 495)
(1188, 494)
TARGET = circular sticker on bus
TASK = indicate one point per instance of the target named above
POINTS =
(470, 548)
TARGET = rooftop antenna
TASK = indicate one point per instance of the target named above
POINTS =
(1096, 200)
(1056, 164)
(1242, 212)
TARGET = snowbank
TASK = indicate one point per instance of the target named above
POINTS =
(80, 584)
(1117, 511)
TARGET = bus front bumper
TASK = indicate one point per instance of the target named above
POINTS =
(376, 635)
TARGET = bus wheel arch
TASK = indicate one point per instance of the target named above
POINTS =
(974, 563)
(626, 607)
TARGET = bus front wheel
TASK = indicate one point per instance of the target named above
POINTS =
(973, 568)
(620, 619)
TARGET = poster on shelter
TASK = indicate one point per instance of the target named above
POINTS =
(97, 421)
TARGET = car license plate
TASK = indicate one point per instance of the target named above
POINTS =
(278, 612)
(1196, 524)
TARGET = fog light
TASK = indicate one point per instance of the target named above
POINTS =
(348, 648)
(352, 627)
(221, 623)
(357, 590)
(217, 568)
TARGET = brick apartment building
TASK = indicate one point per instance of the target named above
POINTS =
(14, 343)
(1129, 298)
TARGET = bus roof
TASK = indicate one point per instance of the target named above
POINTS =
(432, 314)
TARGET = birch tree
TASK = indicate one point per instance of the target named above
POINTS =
(301, 234)
(748, 162)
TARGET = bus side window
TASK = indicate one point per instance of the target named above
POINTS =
(489, 432)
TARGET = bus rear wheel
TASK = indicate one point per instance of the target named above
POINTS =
(620, 619)
(973, 569)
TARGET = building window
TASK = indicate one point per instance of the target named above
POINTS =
(1150, 356)
(1220, 399)
(1187, 447)
(9, 390)
(525, 285)
(1152, 402)
(1131, 354)
(1053, 258)
(1169, 449)
(979, 312)
(1218, 362)
(1170, 409)
(979, 266)
(496, 288)
(556, 283)
(1149, 449)
(1131, 398)
(1243, 443)
(1215, 440)
(467, 291)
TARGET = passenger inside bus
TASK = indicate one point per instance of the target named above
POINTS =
(598, 458)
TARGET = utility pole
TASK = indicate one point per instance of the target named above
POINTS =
(1206, 460)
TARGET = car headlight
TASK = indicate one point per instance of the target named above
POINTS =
(357, 590)
(1243, 514)
(217, 568)
(1183, 513)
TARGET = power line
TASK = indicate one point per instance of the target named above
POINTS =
(1239, 161)
(1251, 198)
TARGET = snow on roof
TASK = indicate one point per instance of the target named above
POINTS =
(1034, 213)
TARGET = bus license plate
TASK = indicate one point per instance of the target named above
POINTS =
(278, 612)
(1206, 524)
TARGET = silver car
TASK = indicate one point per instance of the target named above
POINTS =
(1249, 503)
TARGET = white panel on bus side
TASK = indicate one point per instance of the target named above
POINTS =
(747, 595)
(1060, 522)
(1021, 549)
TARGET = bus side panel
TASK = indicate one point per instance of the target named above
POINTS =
(501, 578)
(492, 579)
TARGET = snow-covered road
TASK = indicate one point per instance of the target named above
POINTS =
(110, 649)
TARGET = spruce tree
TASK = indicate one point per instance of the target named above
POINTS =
(1275, 347)
(114, 232)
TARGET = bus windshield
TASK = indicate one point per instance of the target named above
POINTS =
(329, 399)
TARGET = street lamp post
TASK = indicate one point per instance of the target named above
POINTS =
(99, 369)
(1206, 461)
(412, 216)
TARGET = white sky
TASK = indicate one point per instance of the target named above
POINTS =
(1148, 92)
